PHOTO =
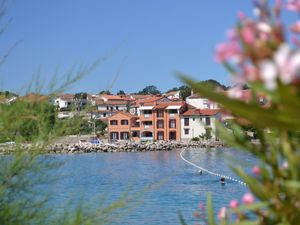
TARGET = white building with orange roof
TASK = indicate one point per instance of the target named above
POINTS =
(199, 123)
(201, 103)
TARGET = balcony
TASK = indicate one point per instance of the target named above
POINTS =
(147, 138)
(172, 115)
(147, 115)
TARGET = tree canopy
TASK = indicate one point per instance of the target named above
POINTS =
(149, 90)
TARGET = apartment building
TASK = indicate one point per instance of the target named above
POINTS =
(123, 126)
(157, 121)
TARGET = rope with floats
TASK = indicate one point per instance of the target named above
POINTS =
(210, 172)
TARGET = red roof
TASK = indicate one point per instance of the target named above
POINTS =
(111, 97)
(127, 114)
(163, 105)
(201, 112)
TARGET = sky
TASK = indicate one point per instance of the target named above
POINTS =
(138, 42)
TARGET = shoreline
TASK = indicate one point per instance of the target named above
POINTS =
(75, 148)
(131, 147)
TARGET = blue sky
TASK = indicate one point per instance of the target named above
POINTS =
(147, 41)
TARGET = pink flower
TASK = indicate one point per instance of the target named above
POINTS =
(227, 51)
(295, 27)
(250, 72)
(248, 199)
(235, 92)
(233, 204)
(286, 66)
(293, 5)
(201, 206)
(241, 16)
(248, 35)
(256, 170)
(222, 213)
(285, 165)
(232, 35)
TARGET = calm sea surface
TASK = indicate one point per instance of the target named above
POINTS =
(89, 176)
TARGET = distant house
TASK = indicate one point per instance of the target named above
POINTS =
(199, 122)
(173, 95)
(108, 105)
(201, 103)
(64, 102)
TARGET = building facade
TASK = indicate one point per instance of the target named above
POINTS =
(200, 123)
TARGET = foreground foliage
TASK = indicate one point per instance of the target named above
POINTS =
(258, 53)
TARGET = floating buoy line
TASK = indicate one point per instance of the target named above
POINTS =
(210, 172)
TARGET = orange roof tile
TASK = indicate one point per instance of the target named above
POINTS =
(201, 112)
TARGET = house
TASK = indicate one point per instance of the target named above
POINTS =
(150, 100)
(173, 95)
(201, 103)
(106, 107)
(123, 126)
(199, 123)
(64, 102)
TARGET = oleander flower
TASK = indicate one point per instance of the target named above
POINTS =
(293, 5)
(285, 66)
(222, 213)
(235, 92)
(227, 51)
(248, 199)
(233, 204)
(256, 170)
(295, 28)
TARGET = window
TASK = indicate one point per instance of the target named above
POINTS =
(135, 134)
(186, 131)
(172, 124)
(160, 113)
(111, 108)
(186, 121)
(114, 122)
(117, 107)
(160, 135)
(124, 122)
(124, 135)
(173, 111)
(114, 135)
(107, 107)
(193, 118)
(104, 114)
(207, 121)
(160, 124)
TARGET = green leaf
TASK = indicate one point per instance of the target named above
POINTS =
(181, 219)
(292, 184)
(210, 210)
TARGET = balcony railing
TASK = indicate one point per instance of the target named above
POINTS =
(147, 115)
(147, 139)
(172, 115)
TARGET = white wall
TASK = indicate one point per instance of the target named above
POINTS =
(61, 103)
(113, 107)
(197, 126)
(202, 103)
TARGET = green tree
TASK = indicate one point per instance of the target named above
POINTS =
(121, 92)
(149, 90)
(106, 92)
(185, 91)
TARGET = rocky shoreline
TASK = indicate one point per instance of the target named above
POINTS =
(130, 147)
(61, 148)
